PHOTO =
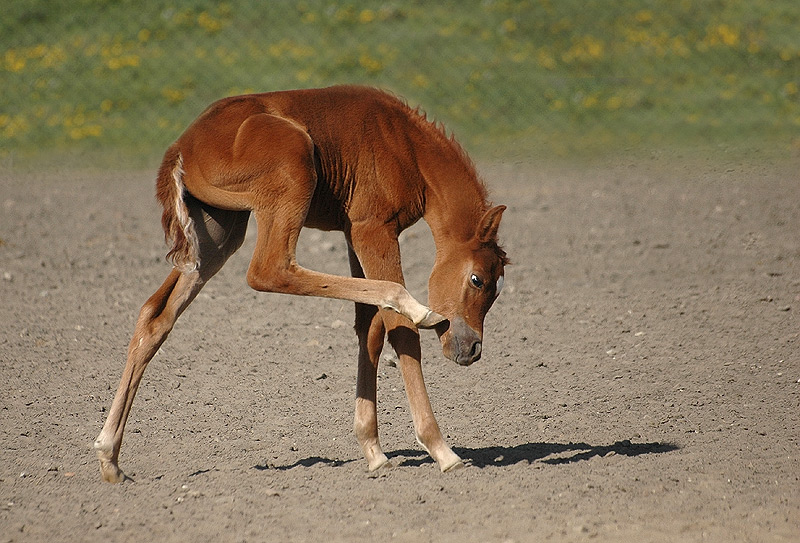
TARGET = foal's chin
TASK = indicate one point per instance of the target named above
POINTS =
(460, 358)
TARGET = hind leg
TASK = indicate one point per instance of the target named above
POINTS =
(219, 234)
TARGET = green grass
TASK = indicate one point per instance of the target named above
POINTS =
(569, 78)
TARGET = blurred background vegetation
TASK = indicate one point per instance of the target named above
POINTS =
(115, 81)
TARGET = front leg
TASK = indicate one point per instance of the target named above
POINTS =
(405, 342)
(404, 339)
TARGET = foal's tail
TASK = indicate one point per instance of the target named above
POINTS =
(178, 225)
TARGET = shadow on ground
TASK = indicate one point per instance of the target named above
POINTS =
(557, 453)
(481, 457)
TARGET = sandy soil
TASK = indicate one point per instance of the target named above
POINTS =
(639, 380)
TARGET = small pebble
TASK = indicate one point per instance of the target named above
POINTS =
(390, 359)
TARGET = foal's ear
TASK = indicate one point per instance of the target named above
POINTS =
(490, 222)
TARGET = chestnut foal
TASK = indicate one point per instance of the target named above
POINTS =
(352, 159)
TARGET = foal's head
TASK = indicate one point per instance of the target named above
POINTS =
(466, 280)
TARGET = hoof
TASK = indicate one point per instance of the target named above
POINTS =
(452, 466)
(109, 469)
(111, 473)
(431, 320)
(378, 463)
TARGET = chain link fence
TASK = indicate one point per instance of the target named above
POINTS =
(124, 78)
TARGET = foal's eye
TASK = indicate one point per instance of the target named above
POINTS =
(476, 281)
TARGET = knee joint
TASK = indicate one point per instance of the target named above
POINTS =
(273, 280)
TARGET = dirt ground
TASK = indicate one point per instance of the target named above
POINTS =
(640, 378)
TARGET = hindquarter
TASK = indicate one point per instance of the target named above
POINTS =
(248, 162)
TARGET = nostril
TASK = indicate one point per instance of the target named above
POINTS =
(475, 351)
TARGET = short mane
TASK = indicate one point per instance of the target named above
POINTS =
(440, 133)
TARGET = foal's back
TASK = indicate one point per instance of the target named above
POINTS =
(361, 144)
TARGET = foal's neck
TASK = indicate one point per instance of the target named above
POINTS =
(455, 198)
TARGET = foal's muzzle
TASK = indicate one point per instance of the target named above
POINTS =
(460, 343)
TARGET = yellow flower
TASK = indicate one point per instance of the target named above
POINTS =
(584, 49)
(545, 60)
(448, 31)
(723, 34)
(679, 47)
(54, 56)
(173, 95)
(209, 23)
(728, 35)
(13, 62)
(594, 47)
(37, 51)
(614, 103)
(15, 126)
(370, 63)
(124, 61)
(519, 56)
(366, 16)
(421, 81)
